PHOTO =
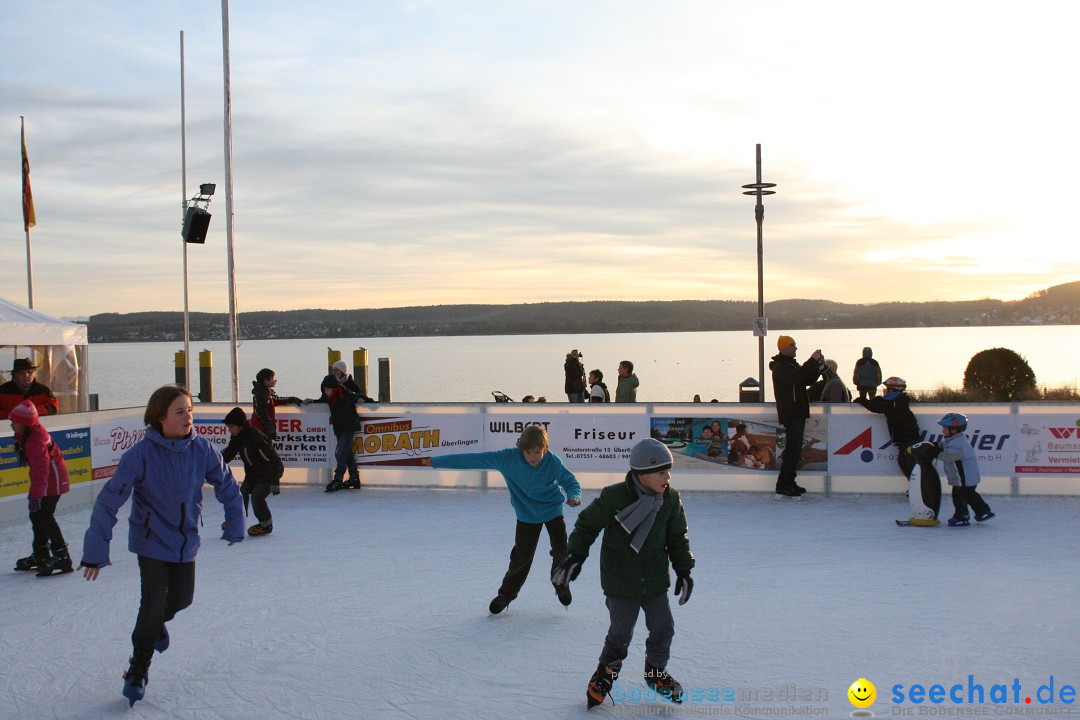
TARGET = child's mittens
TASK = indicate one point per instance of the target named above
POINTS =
(568, 569)
(684, 585)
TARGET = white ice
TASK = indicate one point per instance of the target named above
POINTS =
(373, 604)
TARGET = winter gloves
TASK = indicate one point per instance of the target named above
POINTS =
(34, 504)
(684, 585)
(568, 569)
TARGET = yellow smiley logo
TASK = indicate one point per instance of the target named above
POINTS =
(862, 693)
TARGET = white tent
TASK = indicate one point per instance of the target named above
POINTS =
(57, 346)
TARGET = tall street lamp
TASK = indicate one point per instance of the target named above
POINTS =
(761, 325)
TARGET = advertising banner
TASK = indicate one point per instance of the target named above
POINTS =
(726, 444)
(74, 443)
(303, 438)
(1048, 444)
(586, 443)
(408, 438)
(861, 444)
(110, 439)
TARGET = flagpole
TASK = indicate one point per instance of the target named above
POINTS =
(229, 199)
(183, 212)
(28, 216)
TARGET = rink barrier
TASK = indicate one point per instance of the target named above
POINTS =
(1024, 449)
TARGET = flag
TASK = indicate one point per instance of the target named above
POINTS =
(29, 219)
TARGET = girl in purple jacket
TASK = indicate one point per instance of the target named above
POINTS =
(164, 474)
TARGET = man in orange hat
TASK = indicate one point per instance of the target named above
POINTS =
(22, 387)
(790, 380)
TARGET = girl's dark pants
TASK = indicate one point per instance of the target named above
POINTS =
(526, 537)
(167, 588)
(46, 529)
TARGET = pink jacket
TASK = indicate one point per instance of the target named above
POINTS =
(48, 471)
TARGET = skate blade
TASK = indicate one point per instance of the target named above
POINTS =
(787, 498)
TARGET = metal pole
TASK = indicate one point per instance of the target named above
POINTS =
(758, 189)
(229, 201)
(183, 212)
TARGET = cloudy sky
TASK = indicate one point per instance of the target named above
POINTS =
(392, 153)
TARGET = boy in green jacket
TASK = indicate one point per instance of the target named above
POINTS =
(644, 526)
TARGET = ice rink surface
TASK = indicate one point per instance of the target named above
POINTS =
(373, 604)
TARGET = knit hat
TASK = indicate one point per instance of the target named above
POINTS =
(783, 341)
(650, 456)
(342, 366)
(24, 414)
(236, 416)
(330, 381)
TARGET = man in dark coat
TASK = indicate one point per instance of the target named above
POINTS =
(790, 380)
(24, 386)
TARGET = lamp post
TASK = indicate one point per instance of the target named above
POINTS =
(761, 325)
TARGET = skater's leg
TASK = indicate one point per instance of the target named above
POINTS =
(556, 530)
(526, 536)
(46, 530)
(661, 630)
(154, 579)
(258, 503)
(959, 500)
(975, 500)
(343, 455)
(181, 590)
(623, 614)
(789, 465)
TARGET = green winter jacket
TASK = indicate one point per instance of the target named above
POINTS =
(624, 573)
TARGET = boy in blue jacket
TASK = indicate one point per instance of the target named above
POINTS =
(537, 480)
(164, 474)
(962, 469)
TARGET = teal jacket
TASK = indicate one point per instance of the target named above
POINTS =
(534, 491)
(624, 573)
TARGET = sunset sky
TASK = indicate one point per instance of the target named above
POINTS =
(394, 153)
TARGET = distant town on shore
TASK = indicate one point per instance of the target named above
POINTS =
(1058, 305)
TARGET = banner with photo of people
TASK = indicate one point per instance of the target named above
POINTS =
(711, 444)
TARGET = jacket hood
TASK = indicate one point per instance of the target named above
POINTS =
(867, 352)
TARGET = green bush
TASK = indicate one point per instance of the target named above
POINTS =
(1000, 375)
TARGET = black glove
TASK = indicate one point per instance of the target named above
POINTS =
(568, 569)
(34, 504)
(684, 585)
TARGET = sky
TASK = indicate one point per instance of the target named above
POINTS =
(397, 153)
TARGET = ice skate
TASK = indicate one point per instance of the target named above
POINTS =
(665, 685)
(600, 685)
(135, 680)
(498, 604)
(335, 485)
(563, 591)
(983, 517)
(959, 522)
(31, 562)
(260, 529)
(353, 483)
(60, 563)
(162, 643)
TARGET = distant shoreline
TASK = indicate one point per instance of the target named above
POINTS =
(1059, 305)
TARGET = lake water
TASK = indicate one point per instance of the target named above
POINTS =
(670, 366)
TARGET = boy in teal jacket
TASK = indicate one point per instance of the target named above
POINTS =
(644, 526)
(537, 480)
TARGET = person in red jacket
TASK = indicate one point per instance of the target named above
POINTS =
(48, 481)
(23, 386)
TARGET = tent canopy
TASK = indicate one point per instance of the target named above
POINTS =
(59, 347)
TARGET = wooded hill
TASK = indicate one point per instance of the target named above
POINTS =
(1058, 305)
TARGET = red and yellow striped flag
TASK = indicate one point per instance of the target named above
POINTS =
(29, 219)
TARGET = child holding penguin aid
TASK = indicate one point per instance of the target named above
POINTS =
(644, 527)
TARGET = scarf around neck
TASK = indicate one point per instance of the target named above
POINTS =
(637, 518)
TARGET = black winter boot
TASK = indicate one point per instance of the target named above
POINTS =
(31, 562)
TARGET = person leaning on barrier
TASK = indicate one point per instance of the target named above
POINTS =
(24, 386)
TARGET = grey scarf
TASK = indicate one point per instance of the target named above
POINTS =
(638, 516)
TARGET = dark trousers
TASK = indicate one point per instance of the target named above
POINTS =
(624, 615)
(167, 588)
(964, 495)
(46, 529)
(789, 464)
(258, 494)
(344, 457)
(521, 557)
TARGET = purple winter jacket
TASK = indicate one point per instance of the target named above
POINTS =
(165, 479)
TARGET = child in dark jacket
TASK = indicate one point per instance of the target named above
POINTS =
(48, 481)
(262, 468)
(644, 527)
(345, 421)
(163, 473)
